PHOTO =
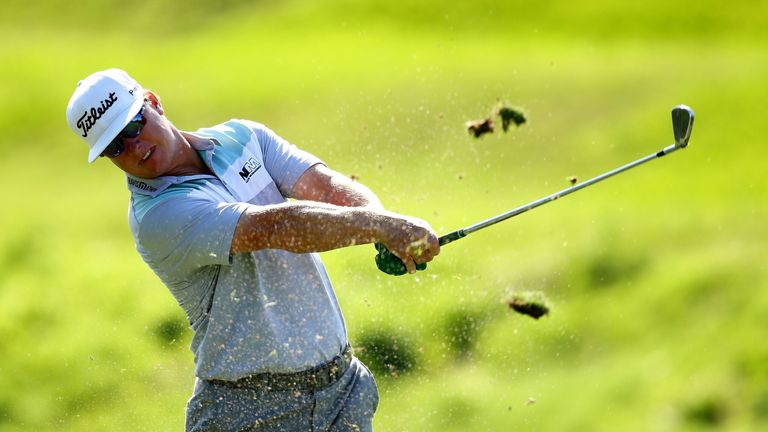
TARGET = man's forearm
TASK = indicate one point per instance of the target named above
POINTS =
(334, 212)
(302, 226)
(323, 184)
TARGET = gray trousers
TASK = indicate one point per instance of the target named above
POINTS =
(346, 405)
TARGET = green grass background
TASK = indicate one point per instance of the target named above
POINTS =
(657, 278)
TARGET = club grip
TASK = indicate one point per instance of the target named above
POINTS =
(387, 262)
(450, 237)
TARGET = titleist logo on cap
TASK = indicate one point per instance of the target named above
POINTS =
(89, 117)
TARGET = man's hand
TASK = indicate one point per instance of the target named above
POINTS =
(391, 264)
(406, 246)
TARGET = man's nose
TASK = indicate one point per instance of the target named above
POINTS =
(132, 144)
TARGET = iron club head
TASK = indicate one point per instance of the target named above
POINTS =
(682, 123)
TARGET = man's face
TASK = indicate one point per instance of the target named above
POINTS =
(150, 154)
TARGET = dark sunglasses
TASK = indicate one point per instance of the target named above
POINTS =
(131, 130)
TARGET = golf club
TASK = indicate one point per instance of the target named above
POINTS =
(682, 123)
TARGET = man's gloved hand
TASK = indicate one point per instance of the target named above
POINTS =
(387, 262)
(404, 244)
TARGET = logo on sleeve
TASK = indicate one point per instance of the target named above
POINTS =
(249, 169)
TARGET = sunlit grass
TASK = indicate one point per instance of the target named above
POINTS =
(656, 278)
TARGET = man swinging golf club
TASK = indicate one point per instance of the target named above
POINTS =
(209, 214)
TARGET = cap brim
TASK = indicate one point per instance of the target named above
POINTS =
(111, 132)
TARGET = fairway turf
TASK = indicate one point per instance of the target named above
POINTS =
(659, 276)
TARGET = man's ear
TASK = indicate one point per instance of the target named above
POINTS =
(154, 100)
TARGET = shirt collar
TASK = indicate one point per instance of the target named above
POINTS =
(155, 186)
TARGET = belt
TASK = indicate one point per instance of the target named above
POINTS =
(315, 378)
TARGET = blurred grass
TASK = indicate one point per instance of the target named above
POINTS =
(657, 277)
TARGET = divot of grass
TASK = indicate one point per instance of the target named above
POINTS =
(531, 303)
(505, 112)
(481, 127)
(509, 115)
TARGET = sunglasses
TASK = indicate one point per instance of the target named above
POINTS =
(131, 130)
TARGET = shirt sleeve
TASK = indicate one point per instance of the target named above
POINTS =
(284, 162)
(185, 233)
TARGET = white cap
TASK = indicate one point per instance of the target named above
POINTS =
(102, 105)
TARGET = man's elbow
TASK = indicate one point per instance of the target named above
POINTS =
(250, 234)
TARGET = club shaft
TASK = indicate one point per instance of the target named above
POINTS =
(455, 235)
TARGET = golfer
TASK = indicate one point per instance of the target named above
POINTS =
(230, 218)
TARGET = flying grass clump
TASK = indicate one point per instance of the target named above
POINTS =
(480, 127)
(509, 115)
(531, 303)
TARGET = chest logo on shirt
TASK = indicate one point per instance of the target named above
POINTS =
(249, 169)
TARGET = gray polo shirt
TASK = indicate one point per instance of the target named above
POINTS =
(264, 311)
